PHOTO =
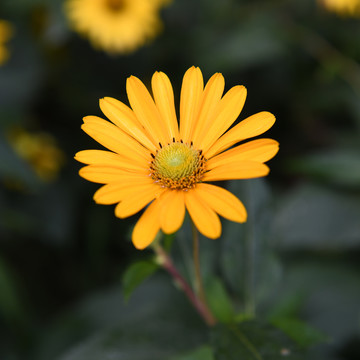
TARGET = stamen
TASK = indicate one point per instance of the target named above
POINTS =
(178, 166)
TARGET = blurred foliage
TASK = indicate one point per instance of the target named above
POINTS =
(294, 265)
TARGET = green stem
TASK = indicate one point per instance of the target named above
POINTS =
(199, 287)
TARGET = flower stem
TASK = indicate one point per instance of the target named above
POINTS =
(199, 287)
(201, 307)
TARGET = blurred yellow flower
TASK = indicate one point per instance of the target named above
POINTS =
(39, 150)
(6, 31)
(153, 159)
(342, 7)
(116, 26)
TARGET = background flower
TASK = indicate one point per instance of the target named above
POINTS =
(116, 26)
(5, 34)
(342, 7)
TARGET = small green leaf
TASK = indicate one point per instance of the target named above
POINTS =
(304, 334)
(252, 340)
(136, 274)
(202, 353)
(219, 301)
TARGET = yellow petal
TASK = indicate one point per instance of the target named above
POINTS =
(240, 170)
(222, 201)
(106, 174)
(164, 100)
(114, 139)
(123, 117)
(147, 227)
(190, 98)
(250, 127)
(260, 150)
(107, 158)
(145, 110)
(210, 99)
(173, 211)
(204, 218)
(136, 200)
(227, 111)
(115, 192)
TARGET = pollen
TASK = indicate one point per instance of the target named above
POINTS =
(178, 166)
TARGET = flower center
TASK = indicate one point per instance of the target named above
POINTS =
(178, 166)
(115, 5)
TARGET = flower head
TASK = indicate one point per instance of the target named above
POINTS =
(39, 150)
(342, 7)
(116, 26)
(155, 161)
(6, 31)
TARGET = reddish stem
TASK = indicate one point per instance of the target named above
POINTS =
(199, 305)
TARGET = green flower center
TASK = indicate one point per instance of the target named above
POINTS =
(178, 166)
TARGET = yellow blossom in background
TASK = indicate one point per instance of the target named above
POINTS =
(39, 150)
(154, 160)
(342, 7)
(116, 26)
(6, 32)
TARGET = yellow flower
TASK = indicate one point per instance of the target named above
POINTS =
(6, 31)
(116, 26)
(153, 160)
(39, 150)
(342, 7)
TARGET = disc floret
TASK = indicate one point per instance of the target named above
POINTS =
(178, 166)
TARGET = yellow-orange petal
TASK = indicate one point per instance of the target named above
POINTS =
(260, 150)
(108, 158)
(173, 211)
(123, 117)
(113, 193)
(222, 201)
(239, 170)
(212, 94)
(106, 174)
(204, 218)
(113, 138)
(164, 99)
(190, 101)
(227, 111)
(147, 227)
(145, 110)
(252, 126)
(136, 200)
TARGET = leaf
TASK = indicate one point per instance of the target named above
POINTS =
(252, 341)
(136, 274)
(219, 301)
(202, 353)
(158, 323)
(248, 264)
(341, 167)
(313, 217)
(304, 334)
(11, 308)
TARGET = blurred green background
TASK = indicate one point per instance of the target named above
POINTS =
(62, 257)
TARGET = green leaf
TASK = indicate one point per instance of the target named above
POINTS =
(219, 301)
(314, 217)
(252, 341)
(336, 166)
(10, 307)
(304, 334)
(136, 274)
(202, 353)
